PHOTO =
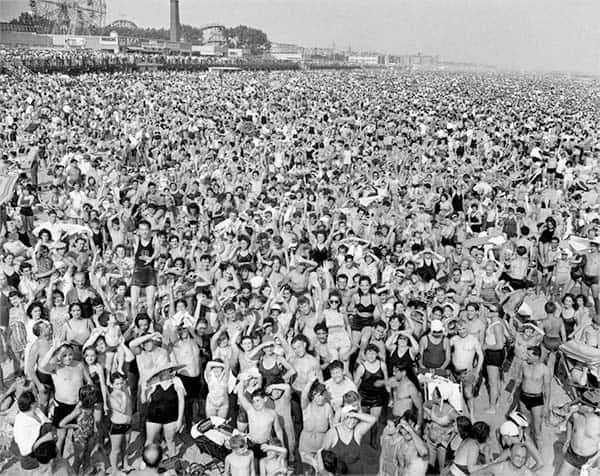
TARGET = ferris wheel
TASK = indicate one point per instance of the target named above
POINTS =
(70, 16)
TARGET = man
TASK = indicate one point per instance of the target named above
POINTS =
(582, 442)
(38, 350)
(152, 457)
(590, 335)
(338, 385)
(515, 466)
(465, 349)
(535, 390)
(186, 351)
(31, 429)
(434, 348)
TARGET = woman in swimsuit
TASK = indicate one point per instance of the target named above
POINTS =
(370, 378)
(344, 439)
(165, 395)
(216, 375)
(339, 333)
(582, 315)
(440, 428)
(366, 306)
(317, 418)
(77, 329)
(568, 314)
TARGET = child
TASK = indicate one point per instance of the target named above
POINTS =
(241, 461)
(216, 375)
(274, 464)
(389, 463)
(12, 394)
(281, 395)
(120, 418)
(83, 428)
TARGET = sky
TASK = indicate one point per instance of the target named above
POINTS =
(517, 34)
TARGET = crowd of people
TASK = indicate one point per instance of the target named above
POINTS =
(339, 267)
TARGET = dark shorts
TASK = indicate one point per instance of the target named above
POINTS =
(552, 343)
(494, 357)
(143, 277)
(192, 385)
(61, 410)
(119, 428)
(591, 280)
(358, 323)
(551, 171)
(576, 460)
(531, 400)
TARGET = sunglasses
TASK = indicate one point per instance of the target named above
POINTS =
(334, 301)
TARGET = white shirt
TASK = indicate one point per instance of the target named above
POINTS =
(338, 390)
(27, 430)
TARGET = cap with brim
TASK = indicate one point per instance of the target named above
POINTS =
(519, 419)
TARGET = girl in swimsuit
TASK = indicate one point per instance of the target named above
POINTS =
(568, 314)
(216, 375)
(365, 306)
(317, 418)
(96, 372)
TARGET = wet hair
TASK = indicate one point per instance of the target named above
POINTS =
(87, 396)
(332, 464)
(350, 397)
(463, 425)
(321, 326)
(46, 452)
(317, 388)
(117, 375)
(26, 400)
(550, 307)
(301, 338)
(336, 364)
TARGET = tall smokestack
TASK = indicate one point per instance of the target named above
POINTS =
(174, 32)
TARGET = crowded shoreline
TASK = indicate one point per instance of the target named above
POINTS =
(298, 272)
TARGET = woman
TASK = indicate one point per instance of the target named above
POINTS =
(77, 329)
(273, 368)
(339, 339)
(494, 342)
(25, 202)
(317, 418)
(370, 377)
(344, 438)
(403, 353)
(166, 400)
(365, 306)
(216, 376)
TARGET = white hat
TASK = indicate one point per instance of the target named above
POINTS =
(509, 428)
(524, 310)
(519, 419)
(437, 326)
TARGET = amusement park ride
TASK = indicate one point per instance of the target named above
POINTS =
(70, 16)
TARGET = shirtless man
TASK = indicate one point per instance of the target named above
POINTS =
(338, 385)
(68, 377)
(515, 466)
(262, 421)
(582, 442)
(305, 365)
(591, 272)
(186, 351)
(554, 334)
(38, 350)
(535, 390)
(405, 396)
(465, 348)
(299, 274)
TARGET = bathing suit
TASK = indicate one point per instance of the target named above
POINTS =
(364, 314)
(532, 400)
(494, 357)
(348, 453)
(434, 355)
(119, 428)
(61, 410)
(164, 405)
(144, 274)
(552, 343)
(371, 395)
(575, 460)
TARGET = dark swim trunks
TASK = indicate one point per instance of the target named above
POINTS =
(532, 400)
(552, 343)
(575, 460)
